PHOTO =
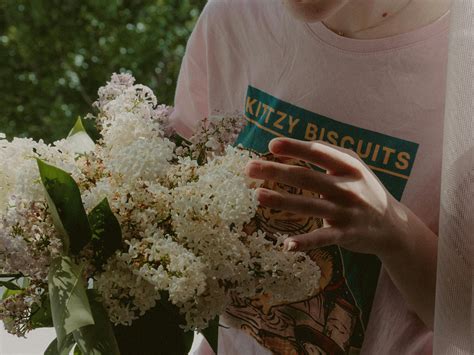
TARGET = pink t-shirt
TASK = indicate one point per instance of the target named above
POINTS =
(383, 98)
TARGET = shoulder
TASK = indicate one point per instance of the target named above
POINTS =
(243, 11)
(249, 22)
(241, 6)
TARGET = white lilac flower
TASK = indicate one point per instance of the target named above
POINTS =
(138, 205)
(182, 212)
(126, 127)
(138, 100)
(221, 194)
(115, 87)
(282, 271)
(146, 159)
(184, 171)
(28, 239)
(125, 295)
(16, 310)
(168, 266)
(161, 114)
(20, 177)
(215, 134)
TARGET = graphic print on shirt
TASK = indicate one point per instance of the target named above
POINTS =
(334, 320)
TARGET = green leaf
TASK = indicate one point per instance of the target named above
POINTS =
(9, 293)
(41, 314)
(106, 231)
(78, 139)
(70, 307)
(25, 281)
(78, 128)
(77, 351)
(97, 339)
(211, 333)
(53, 349)
(64, 200)
(10, 285)
(12, 277)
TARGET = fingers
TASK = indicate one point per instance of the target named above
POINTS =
(341, 189)
(296, 176)
(331, 158)
(298, 204)
(316, 239)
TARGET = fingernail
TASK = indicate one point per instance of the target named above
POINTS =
(251, 168)
(275, 145)
(261, 193)
(292, 245)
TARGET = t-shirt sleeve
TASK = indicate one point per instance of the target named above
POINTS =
(192, 91)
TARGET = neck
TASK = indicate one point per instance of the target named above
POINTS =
(368, 19)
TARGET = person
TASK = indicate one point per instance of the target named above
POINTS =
(344, 101)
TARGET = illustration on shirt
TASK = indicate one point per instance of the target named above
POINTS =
(333, 321)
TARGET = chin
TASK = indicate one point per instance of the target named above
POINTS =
(314, 10)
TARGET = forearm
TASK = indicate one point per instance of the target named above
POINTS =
(412, 266)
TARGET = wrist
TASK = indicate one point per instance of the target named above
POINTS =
(398, 230)
(411, 262)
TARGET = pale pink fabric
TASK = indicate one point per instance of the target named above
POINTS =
(394, 86)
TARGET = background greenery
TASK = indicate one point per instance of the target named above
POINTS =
(56, 53)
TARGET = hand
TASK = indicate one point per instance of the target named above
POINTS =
(359, 213)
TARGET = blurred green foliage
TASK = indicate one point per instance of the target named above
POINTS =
(55, 54)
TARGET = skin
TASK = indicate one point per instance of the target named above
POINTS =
(369, 19)
(359, 213)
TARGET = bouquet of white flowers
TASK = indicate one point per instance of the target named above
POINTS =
(96, 237)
